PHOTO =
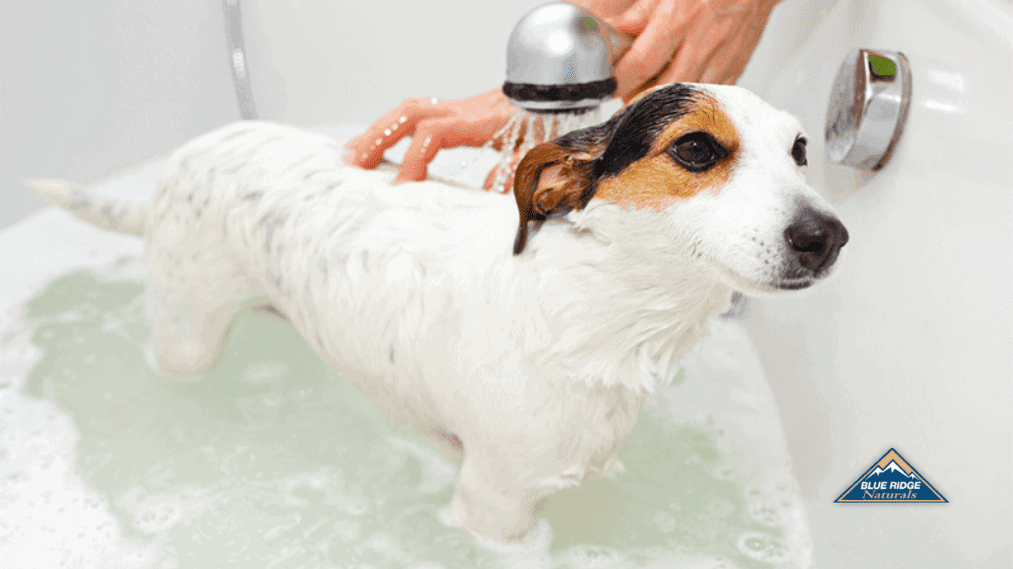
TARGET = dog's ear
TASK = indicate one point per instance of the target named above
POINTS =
(562, 175)
(551, 179)
(558, 176)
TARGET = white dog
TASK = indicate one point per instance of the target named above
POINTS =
(521, 337)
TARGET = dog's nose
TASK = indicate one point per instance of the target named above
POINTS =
(816, 239)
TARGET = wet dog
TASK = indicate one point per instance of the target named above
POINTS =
(521, 334)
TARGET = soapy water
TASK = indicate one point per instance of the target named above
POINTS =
(525, 130)
(274, 460)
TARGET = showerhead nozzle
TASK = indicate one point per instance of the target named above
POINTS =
(559, 59)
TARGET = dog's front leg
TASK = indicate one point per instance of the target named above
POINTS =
(490, 505)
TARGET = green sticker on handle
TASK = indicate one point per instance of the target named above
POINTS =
(882, 66)
(590, 23)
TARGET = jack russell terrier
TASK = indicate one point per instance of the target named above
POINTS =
(520, 335)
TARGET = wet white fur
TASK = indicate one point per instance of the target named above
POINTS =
(536, 364)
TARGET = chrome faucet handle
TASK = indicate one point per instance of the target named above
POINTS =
(868, 107)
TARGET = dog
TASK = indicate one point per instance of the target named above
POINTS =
(521, 335)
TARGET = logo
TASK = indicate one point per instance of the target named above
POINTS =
(891, 479)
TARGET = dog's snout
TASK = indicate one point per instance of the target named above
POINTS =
(816, 239)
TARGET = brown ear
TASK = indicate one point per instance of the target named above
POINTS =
(549, 179)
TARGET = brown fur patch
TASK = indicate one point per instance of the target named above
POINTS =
(549, 178)
(656, 180)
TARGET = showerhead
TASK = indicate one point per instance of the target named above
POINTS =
(559, 59)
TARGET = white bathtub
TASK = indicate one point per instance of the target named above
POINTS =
(911, 347)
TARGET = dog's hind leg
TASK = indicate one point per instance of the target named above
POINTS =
(191, 309)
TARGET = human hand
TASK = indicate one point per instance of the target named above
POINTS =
(704, 41)
(433, 125)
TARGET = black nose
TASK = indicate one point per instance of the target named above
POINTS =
(816, 239)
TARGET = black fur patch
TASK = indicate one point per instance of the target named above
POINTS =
(630, 134)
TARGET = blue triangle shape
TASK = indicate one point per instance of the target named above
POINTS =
(891, 479)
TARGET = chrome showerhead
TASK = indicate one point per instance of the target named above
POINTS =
(559, 59)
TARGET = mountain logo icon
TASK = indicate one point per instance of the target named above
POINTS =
(891, 479)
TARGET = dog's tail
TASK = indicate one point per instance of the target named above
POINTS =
(103, 212)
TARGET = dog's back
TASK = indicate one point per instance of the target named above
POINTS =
(270, 214)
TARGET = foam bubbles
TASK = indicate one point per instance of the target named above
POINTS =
(156, 518)
(665, 522)
(761, 547)
(260, 373)
(531, 552)
(593, 557)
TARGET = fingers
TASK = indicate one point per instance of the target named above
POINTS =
(707, 41)
(701, 50)
(471, 121)
(731, 58)
(435, 134)
(367, 149)
(664, 31)
(687, 65)
(429, 137)
(725, 68)
(646, 59)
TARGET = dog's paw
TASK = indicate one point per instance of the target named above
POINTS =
(530, 551)
(152, 360)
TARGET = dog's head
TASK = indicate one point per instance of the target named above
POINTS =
(712, 170)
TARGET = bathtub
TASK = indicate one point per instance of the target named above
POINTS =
(910, 347)
(274, 461)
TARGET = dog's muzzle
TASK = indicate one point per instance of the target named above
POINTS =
(815, 239)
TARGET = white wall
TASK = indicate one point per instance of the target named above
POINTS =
(353, 61)
(89, 88)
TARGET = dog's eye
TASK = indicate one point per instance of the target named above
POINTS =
(798, 151)
(697, 151)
